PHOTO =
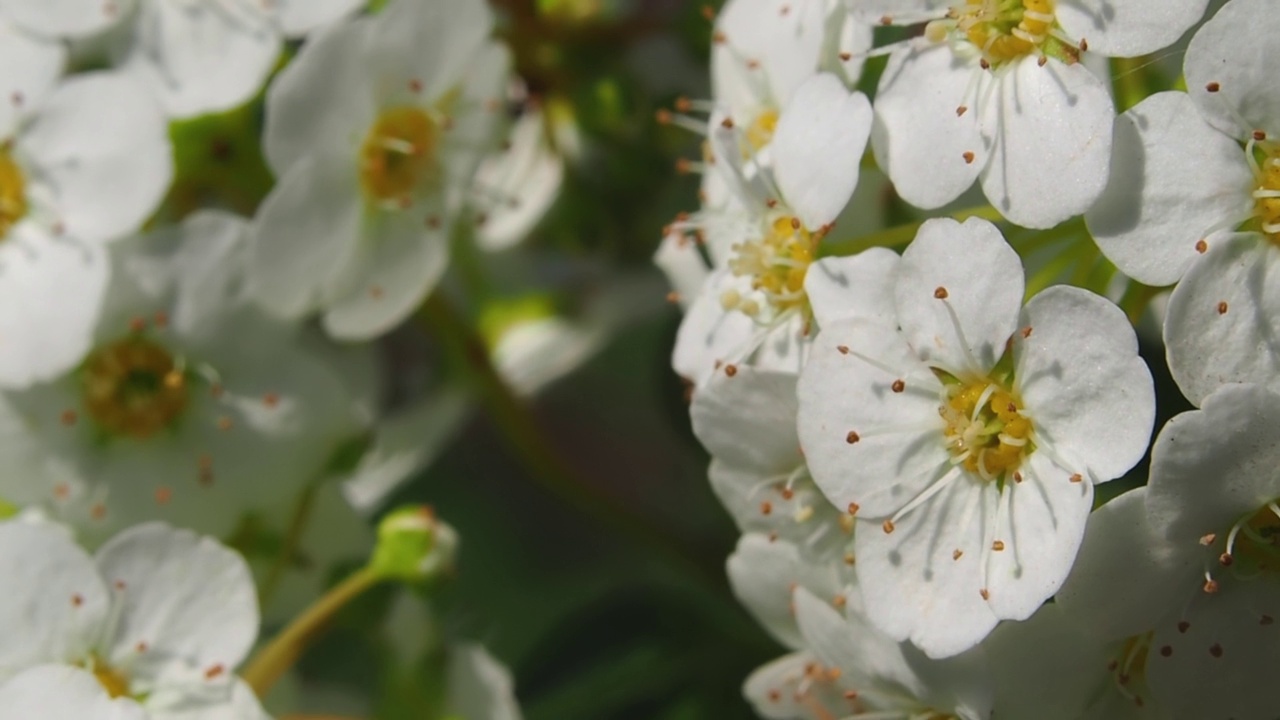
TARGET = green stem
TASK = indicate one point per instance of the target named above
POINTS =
(901, 235)
(271, 662)
(524, 433)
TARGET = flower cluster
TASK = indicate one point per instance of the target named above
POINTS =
(915, 443)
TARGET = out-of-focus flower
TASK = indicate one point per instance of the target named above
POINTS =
(968, 434)
(161, 616)
(191, 406)
(81, 163)
(374, 131)
(515, 186)
(479, 686)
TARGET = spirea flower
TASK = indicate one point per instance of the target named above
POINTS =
(82, 162)
(757, 303)
(191, 404)
(967, 435)
(159, 615)
(374, 132)
(1196, 197)
(994, 91)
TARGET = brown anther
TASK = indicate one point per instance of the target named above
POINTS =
(163, 495)
(766, 508)
(140, 647)
(1259, 135)
(785, 10)
(1225, 559)
(849, 559)
(957, 554)
(846, 56)
(214, 671)
(673, 297)
(771, 203)
(662, 116)
(775, 696)
(842, 349)
(415, 85)
(708, 12)
(98, 511)
(1017, 476)
(1184, 626)
(941, 293)
(795, 223)
(1202, 247)
(853, 508)
(1042, 60)
(118, 585)
(852, 437)
(77, 600)
(375, 292)
(1076, 478)
(727, 123)
(786, 492)
(1215, 650)
(985, 594)
(1084, 45)
(960, 111)
(969, 157)
(839, 601)
(998, 546)
(1208, 539)
(731, 370)
(271, 400)
(1222, 308)
(888, 527)
(984, 64)
(137, 324)
(886, 20)
(718, 37)
(1211, 586)
(898, 386)
(433, 222)
(160, 319)
(1166, 650)
(683, 104)
(1212, 87)
(1266, 620)
(68, 417)
(850, 695)
(1026, 332)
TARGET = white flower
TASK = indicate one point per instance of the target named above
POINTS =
(517, 185)
(29, 69)
(479, 686)
(159, 615)
(191, 405)
(81, 163)
(758, 302)
(993, 92)
(858, 672)
(969, 440)
(1196, 196)
(1199, 582)
(197, 56)
(57, 692)
(374, 132)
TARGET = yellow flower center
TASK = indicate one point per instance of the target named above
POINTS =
(13, 192)
(111, 680)
(1266, 196)
(1002, 30)
(776, 264)
(133, 387)
(760, 132)
(399, 153)
(985, 429)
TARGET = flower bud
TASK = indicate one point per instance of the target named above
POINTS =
(414, 545)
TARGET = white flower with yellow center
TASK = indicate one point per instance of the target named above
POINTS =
(191, 404)
(1196, 198)
(756, 309)
(82, 162)
(160, 617)
(993, 91)
(967, 434)
(198, 56)
(1205, 575)
(374, 132)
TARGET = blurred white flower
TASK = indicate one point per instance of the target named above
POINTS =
(478, 686)
(82, 162)
(159, 615)
(61, 692)
(191, 406)
(994, 92)
(515, 186)
(374, 132)
(967, 434)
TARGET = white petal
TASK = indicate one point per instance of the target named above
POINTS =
(305, 235)
(1129, 28)
(300, 17)
(866, 444)
(479, 686)
(787, 506)
(901, 11)
(101, 144)
(1041, 529)
(1211, 467)
(404, 258)
(55, 605)
(785, 689)
(678, 258)
(748, 419)
(1048, 667)
(324, 100)
(188, 598)
(1235, 52)
(241, 705)
(524, 180)
(1089, 396)
(65, 18)
(709, 334)
(433, 43)
(29, 69)
(858, 286)
(50, 293)
(62, 692)
(1222, 319)
(914, 584)
(1174, 180)
(200, 58)
(784, 44)
(1053, 148)
(818, 146)
(763, 574)
(980, 280)
(1222, 662)
(1125, 575)
(920, 137)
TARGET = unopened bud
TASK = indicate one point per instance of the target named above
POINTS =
(414, 545)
